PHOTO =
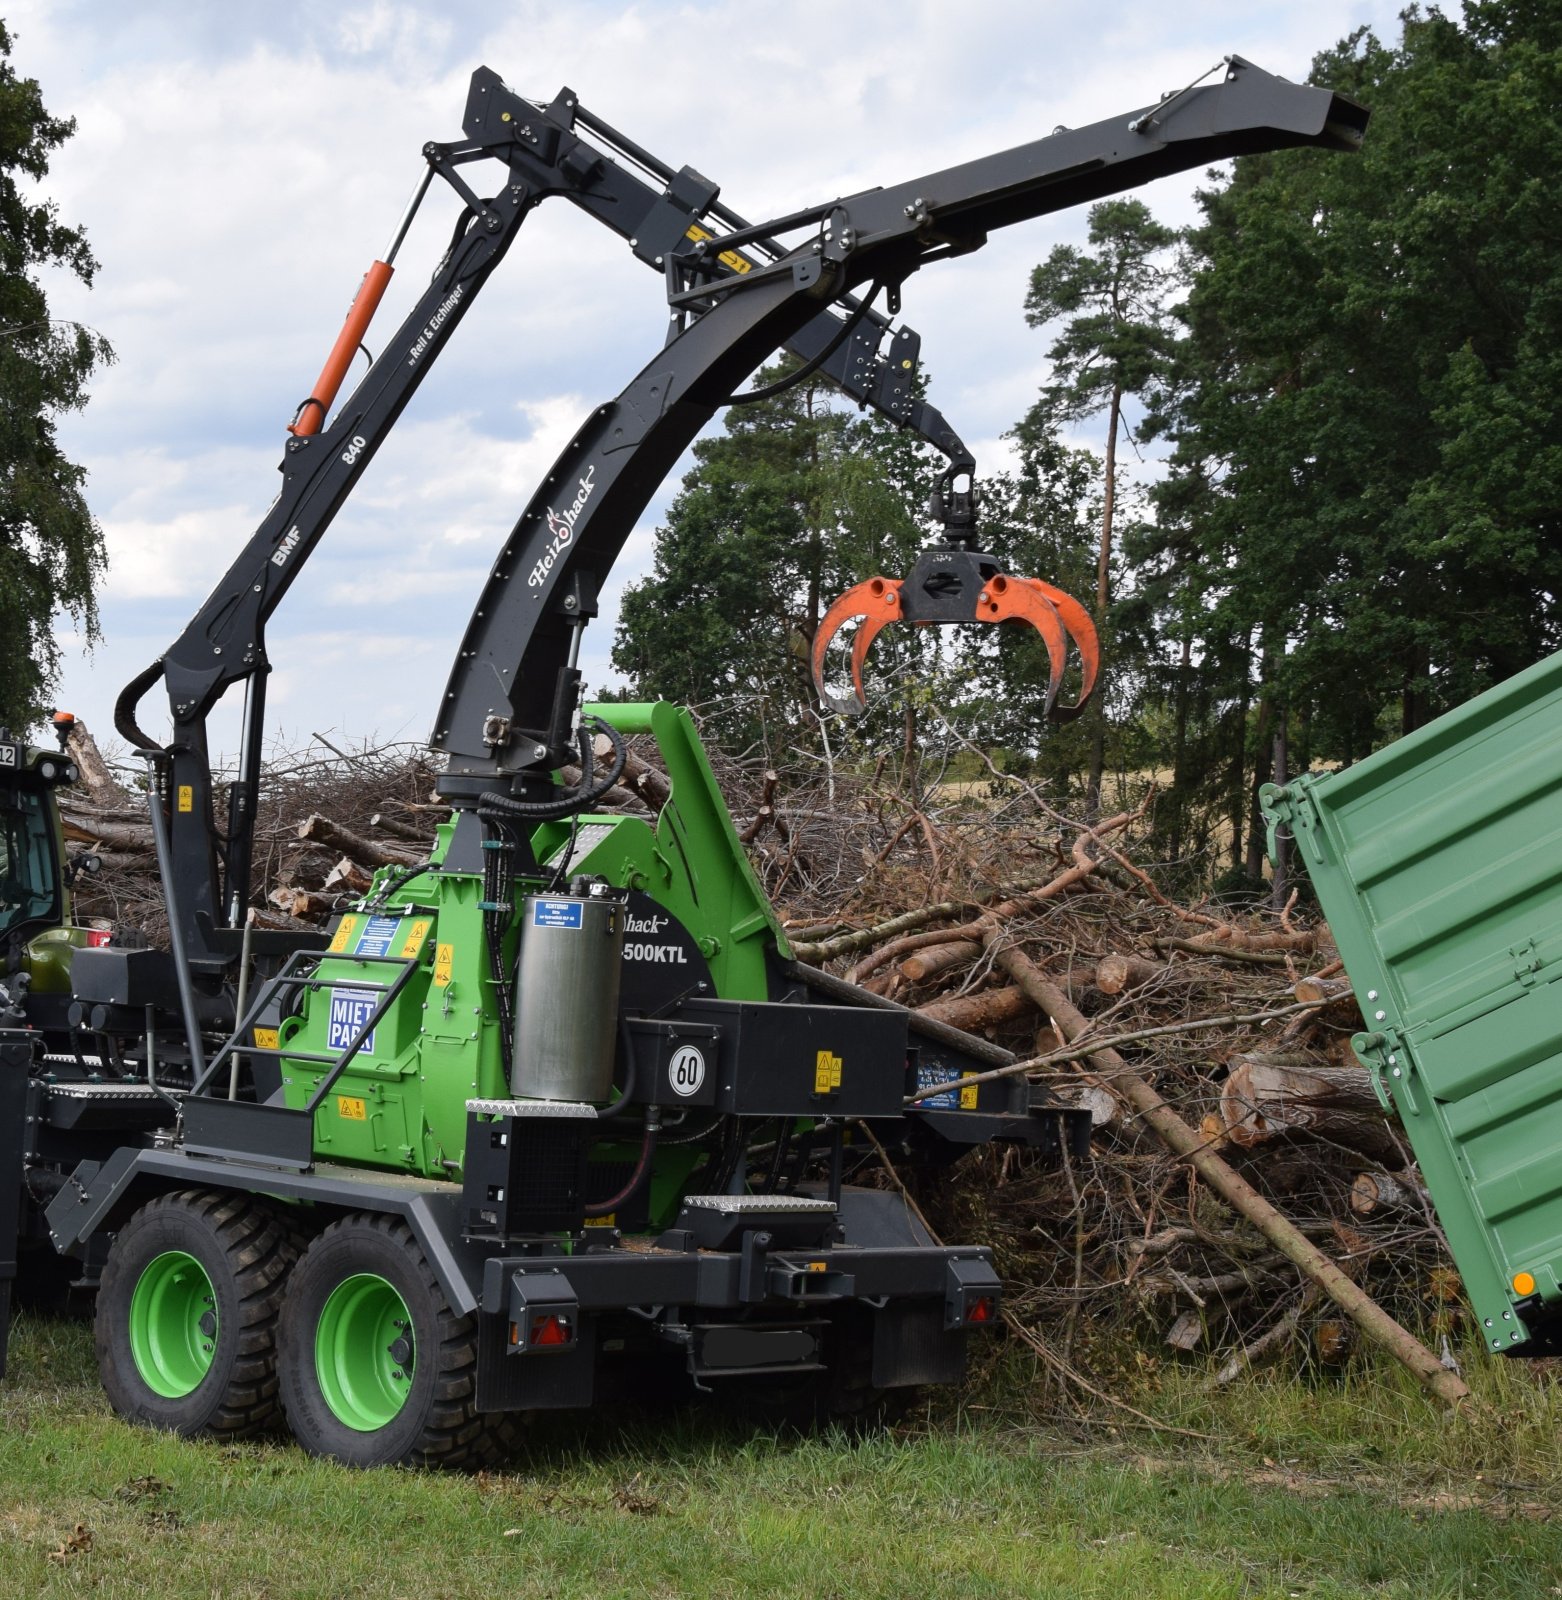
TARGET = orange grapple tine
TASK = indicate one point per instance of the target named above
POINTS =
(876, 601)
(861, 640)
(1014, 600)
(1082, 630)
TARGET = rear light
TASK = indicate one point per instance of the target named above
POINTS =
(543, 1330)
(549, 1328)
(980, 1308)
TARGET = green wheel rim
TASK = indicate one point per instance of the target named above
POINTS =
(173, 1324)
(364, 1352)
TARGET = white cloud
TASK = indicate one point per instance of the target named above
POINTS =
(237, 168)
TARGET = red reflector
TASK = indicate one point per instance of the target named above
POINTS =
(979, 1310)
(550, 1328)
(98, 937)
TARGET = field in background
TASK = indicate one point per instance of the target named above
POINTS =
(1353, 1486)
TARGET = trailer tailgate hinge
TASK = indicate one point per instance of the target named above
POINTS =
(1293, 806)
(1386, 1059)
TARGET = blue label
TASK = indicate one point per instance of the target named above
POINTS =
(375, 940)
(929, 1078)
(558, 914)
(350, 1009)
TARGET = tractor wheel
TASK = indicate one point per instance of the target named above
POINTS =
(187, 1313)
(375, 1368)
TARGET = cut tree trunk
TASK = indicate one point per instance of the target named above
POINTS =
(1115, 974)
(938, 958)
(97, 779)
(1372, 1193)
(321, 830)
(1237, 1192)
(985, 1009)
(1269, 1097)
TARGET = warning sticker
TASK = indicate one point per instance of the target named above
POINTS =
(351, 1108)
(827, 1072)
(350, 1010)
(268, 1038)
(728, 258)
(417, 932)
(375, 940)
(343, 934)
(444, 964)
(558, 914)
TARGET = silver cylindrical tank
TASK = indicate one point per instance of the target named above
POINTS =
(566, 996)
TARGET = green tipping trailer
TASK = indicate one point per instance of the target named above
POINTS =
(1438, 863)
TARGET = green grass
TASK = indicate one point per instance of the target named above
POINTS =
(1348, 1488)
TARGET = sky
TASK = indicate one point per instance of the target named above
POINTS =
(237, 166)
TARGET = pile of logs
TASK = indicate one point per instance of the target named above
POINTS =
(1247, 1193)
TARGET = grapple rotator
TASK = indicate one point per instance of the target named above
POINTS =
(953, 582)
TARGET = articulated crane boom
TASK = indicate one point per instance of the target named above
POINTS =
(496, 720)
(546, 150)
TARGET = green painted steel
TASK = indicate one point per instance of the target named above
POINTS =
(173, 1324)
(364, 1352)
(401, 1103)
(1438, 863)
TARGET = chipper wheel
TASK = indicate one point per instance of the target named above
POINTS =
(375, 1368)
(187, 1313)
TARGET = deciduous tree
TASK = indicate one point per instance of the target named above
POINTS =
(51, 549)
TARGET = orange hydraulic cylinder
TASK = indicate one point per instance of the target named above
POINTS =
(312, 413)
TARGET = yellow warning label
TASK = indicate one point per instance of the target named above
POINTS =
(968, 1098)
(351, 1108)
(186, 797)
(268, 1038)
(344, 933)
(416, 934)
(818, 1266)
(444, 960)
(609, 1221)
(728, 258)
(827, 1072)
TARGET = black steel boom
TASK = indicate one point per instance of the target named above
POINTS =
(495, 722)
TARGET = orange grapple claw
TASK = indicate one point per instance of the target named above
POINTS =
(1057, 617)
(877, 602)
(952, 584)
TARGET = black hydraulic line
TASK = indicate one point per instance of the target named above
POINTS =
(638, 1177)
(808, 368)
(567, 801)
(631, 1074)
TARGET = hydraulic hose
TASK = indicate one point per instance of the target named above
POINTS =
(631, 1074)
(567, 801)
(603, 1208)
(129, 700)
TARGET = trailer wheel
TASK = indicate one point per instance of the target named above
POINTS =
(375, 1367)
(186, 1317)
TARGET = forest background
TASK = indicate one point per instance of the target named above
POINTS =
(1323, 510)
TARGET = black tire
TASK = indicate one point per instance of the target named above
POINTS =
(246, 1254)
(438, 1424)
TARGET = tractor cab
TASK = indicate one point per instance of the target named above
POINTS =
(36, 934)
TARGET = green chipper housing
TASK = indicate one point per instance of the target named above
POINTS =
(1438, 863)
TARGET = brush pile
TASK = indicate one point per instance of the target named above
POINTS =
(985, 906)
